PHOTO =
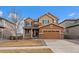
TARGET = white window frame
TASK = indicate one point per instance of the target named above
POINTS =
(29, 23)
(45, 20)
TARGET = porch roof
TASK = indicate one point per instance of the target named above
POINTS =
(30, 27)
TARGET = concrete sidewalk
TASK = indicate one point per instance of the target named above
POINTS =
(62, 46)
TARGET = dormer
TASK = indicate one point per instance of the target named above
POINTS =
(47, 19)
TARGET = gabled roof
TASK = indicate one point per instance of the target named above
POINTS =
(69, 20)
(52, 15)
(6, 20)
(50, 24)
(49, 15)
(73, 25)
(28, 18)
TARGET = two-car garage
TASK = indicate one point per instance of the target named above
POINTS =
(51, 33)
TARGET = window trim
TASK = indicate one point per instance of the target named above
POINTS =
(28, 23)
(45, 22)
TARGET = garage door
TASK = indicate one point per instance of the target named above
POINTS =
(51, 34)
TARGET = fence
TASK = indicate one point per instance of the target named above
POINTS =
(71, 36)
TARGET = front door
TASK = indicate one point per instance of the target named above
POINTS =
(35, 33)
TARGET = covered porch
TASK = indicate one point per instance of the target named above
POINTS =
(31, 33)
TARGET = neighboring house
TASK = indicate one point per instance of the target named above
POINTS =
(73, 31)
(46, 27)
(7, 28)
(69, 22)
(71, 28)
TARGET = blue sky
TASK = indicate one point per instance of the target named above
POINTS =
(62, 12)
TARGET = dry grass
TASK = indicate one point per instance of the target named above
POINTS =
(14, 43)
(32, 50)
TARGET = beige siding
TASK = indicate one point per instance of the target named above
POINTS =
(9, 28)
(72, 32)
(67, 23)
(51, 20)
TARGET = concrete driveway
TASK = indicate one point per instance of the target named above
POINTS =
(76, 41)
(62, 46)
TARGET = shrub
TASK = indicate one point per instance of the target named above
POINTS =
(15, 37)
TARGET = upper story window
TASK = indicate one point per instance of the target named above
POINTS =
(35, 25)
(45, 22)
(28, 24)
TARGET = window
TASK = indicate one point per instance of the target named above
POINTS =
(29, 24)
(45, 22)
(35, 25)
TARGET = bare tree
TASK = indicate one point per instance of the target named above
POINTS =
(17, 20)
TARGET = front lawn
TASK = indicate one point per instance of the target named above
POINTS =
(14, 43)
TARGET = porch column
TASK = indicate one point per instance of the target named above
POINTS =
(2, 35)
(23, 33)
(31, 33)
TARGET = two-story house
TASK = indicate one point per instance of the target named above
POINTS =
(46, 27)
(7, 28)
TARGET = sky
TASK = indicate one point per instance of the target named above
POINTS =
(62, 12)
